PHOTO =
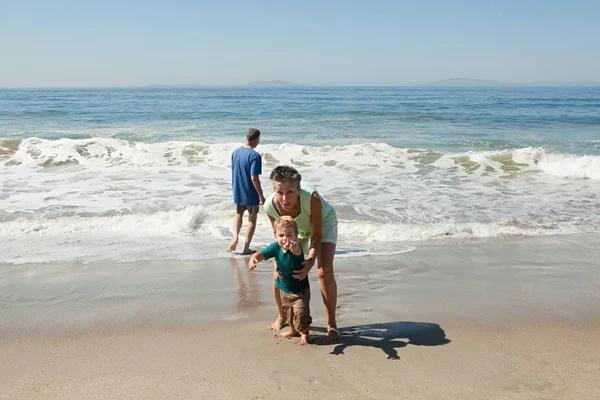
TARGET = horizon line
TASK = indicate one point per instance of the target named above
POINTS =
(590, 84)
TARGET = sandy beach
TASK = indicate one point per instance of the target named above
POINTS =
(523, 360)
(504, 319)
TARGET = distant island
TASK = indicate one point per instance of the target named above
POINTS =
(467, 82)
(272, 83)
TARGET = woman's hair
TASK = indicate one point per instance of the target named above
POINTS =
(285, 173)
(285, 221)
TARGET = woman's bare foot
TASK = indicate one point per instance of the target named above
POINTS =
(278, 324)
(233, 245)
(290, 333)
(333, 335)
(305, 338)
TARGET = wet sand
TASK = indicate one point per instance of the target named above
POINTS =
(504, 319)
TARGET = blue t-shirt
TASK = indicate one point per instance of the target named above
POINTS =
(287, 263)
(245, 162)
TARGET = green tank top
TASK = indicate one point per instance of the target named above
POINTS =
(304, 218)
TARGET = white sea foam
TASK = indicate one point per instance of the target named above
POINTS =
(106, 198)
(107, 152)
(570, 166)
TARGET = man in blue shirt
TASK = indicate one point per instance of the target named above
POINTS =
(246, 166)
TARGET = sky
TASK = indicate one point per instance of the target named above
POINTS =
(131, 43)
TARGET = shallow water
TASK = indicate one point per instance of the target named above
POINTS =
(124, 175)
(482, 281)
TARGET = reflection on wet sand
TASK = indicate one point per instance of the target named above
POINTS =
(247, 293)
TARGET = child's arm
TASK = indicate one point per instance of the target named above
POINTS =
(295, 248)
(255, 259)
(292, 246)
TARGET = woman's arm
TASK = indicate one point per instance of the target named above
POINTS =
(272, 222)
(316, 220)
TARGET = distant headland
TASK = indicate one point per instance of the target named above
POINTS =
(467, 82)
(272, 83)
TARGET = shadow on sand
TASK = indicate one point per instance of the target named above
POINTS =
(384, 336)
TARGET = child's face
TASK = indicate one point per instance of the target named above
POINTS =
(283, 234)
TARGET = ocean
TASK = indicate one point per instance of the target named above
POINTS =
(134, 174)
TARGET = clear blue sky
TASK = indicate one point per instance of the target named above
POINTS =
(124, 43)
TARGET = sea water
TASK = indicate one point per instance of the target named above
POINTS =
(130, 174)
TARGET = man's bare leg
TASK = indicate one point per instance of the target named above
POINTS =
(280, 321)
(237, 227)
(250, 228)
(328, 289)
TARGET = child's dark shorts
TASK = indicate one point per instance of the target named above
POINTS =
(296, 309)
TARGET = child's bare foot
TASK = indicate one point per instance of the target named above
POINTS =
(305, 338)
(290, 333)
(248, 252)
(277, 325)
(333, 335)
(233, 245)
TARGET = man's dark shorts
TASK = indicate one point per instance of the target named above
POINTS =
(252, 210)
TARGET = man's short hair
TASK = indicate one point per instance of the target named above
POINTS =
(253, 134)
